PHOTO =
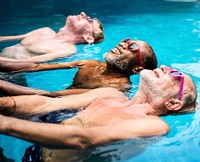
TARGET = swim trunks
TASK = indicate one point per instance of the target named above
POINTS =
(54, 116)
(33, 154)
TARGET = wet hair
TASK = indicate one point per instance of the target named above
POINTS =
(189, 102)
(99, 36)
(149, 59)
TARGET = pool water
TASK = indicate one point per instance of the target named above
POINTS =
(171, 27)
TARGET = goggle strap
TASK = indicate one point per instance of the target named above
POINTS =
(139, 57)
(180, 94)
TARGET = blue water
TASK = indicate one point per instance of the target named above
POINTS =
(172, 28)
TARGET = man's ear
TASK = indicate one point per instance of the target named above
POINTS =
(137, 70)
(89, 39)
(173, 104)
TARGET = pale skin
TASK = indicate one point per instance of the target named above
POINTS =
(82, 133)
(91, 74)
(44, 44)
(107, 115)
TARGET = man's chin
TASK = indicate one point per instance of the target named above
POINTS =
(146, 73)
(146, 77)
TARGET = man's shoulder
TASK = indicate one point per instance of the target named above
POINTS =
(41, 31)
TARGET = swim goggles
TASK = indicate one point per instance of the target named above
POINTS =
(133, 46)
(177, 74)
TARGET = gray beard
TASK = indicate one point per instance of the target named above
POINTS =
(117, 62)
(150, 87)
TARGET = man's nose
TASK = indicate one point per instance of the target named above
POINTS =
(83, 14)
(165, 68)
(123, 45)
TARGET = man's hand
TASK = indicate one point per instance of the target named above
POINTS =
(11, 38)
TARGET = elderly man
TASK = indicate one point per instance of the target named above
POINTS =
(44, 44)
(127, 58)
(106, 116)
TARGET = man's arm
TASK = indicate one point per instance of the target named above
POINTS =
(7, 88)
(11, 38)
(26, 105)
(23, 66)
(66, 65)
(15, 66)
(66, 136)
(22, 36)
(66, 92)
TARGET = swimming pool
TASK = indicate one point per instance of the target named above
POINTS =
(171, 27)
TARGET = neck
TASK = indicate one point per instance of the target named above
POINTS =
(111, 69)
(69, 37)
(141, 104)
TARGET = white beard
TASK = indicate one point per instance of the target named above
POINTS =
(149, 85)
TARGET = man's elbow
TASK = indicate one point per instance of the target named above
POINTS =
(83, 144)
(78, 142)
(165, 129)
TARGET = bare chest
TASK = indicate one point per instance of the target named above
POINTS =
(107, 112)
(38, 35)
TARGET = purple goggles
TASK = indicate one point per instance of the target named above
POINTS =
(177, 74)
